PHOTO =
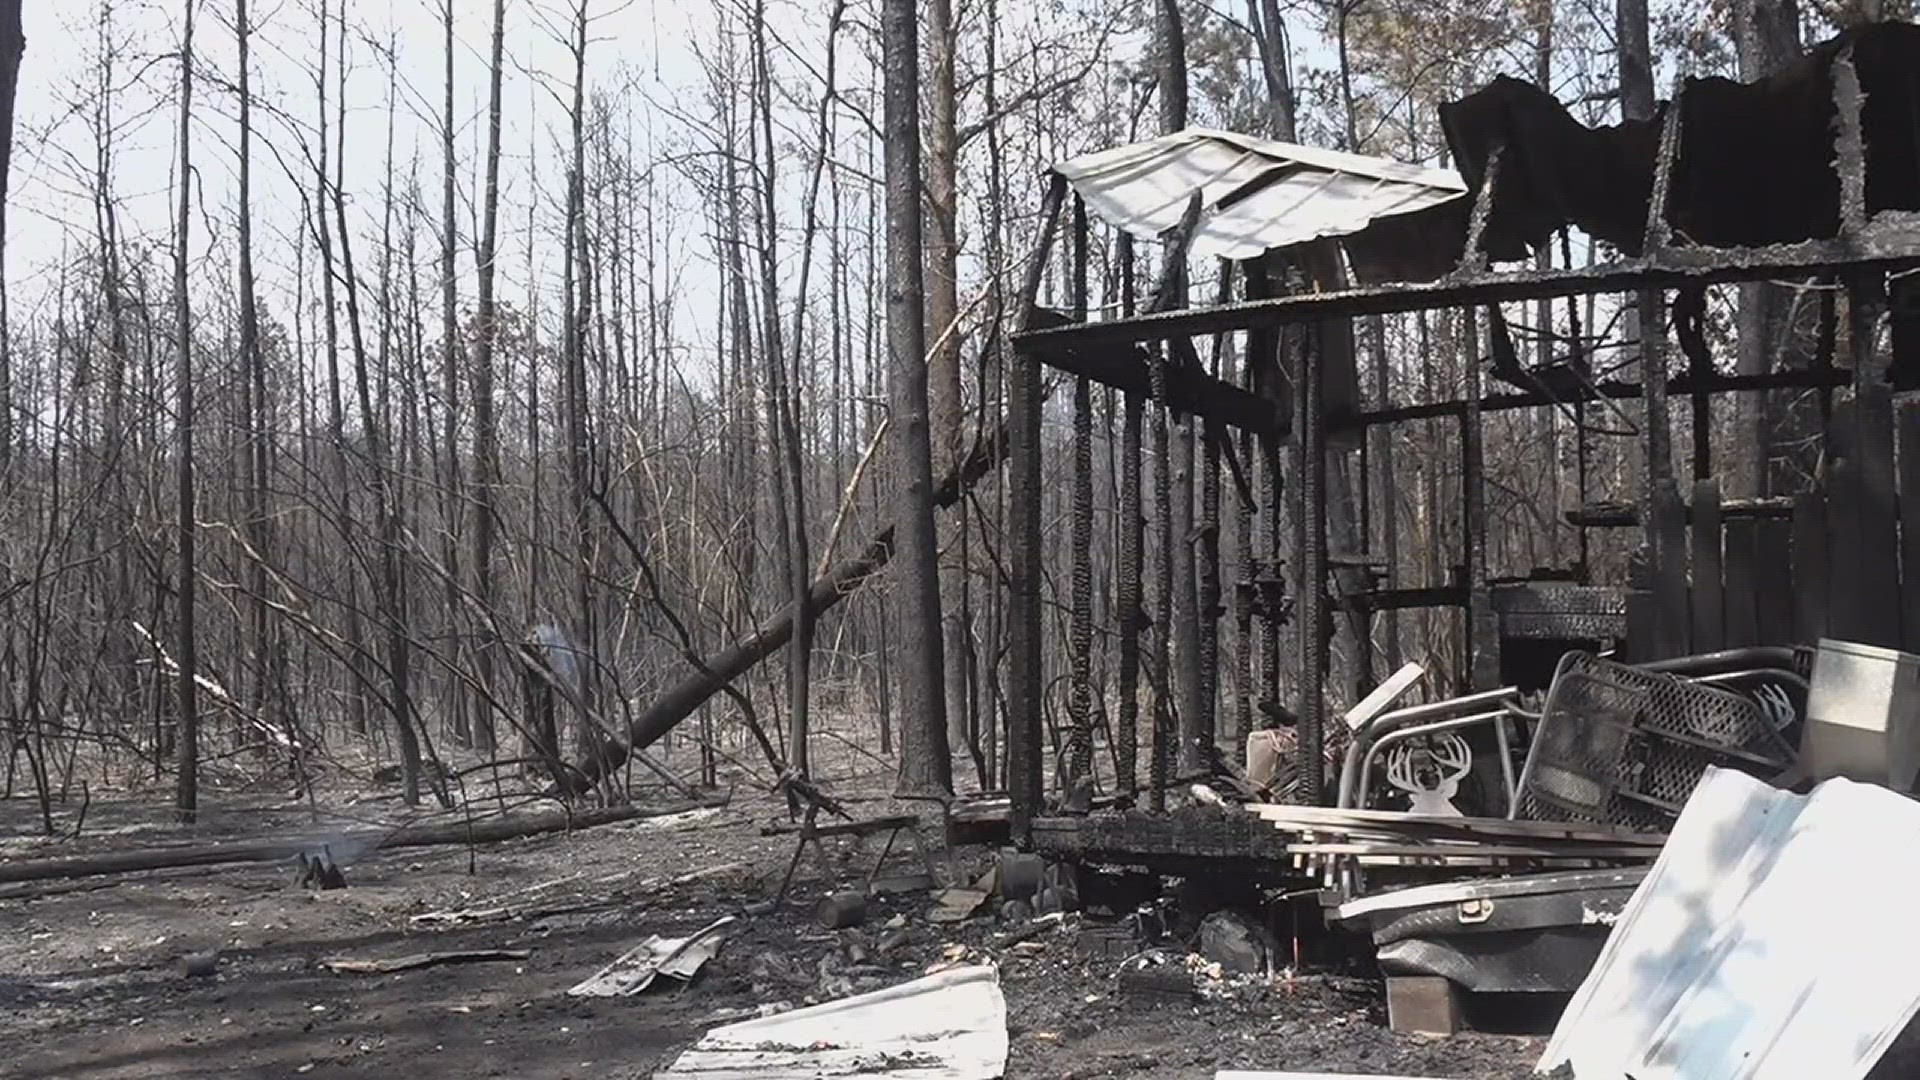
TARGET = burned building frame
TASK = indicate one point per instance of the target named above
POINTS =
(1836, 199)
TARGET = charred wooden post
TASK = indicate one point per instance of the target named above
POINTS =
(1168, 579)
(1244, 681)
(1161, 669)
(1026, 679)
(1311, 507)
(1195, 723)
(1849, 145)
(1080, 701)
(1709, 621)
(1483, 631)
(1207, 535)
(1874, 487)
(1265, 569)
(1665, 530)
(1132, 540)
(1473, 259)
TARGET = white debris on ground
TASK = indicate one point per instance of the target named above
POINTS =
(951, 1025)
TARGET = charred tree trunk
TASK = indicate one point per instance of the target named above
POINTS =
(1766, 36)
(486, 434)
(187, 761)
(13, 46)
(926, 767)
(943, 365)
(459, 698)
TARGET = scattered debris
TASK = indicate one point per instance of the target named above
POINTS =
(951, 1025)
(1423, 1005)
(956, 905)
(420, 960)
(319, 871)
(1020, 874)
(700, 815)
(1737, 957)
(677, 958)
(1250, 1075)
(839, 910)
(1236, 943)
(1156, 983)
(526, 910)
(199, 965)
(1113, 940)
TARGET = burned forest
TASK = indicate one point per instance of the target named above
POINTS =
(966, 538)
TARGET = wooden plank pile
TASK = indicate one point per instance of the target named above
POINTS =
(1391, 838)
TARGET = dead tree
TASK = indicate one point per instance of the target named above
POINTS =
(187, 760)
(926, 767)
(1766, 36)
(486, 438)
(13, 46)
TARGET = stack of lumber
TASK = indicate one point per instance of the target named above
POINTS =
(1392, 838)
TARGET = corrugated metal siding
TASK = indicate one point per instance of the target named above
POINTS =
(1256, 194)
(1772, 940)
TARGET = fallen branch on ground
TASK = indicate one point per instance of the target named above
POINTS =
(420, 960)
(481, 831)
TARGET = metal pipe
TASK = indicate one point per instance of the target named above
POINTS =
(1752, 656)
(1720, 677)
(1506, 761)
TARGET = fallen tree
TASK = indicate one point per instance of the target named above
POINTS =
(357, 841)
(712, 676)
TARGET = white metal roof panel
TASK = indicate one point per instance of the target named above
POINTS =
(1771, 940)
(951, 1025)
(1256, 194)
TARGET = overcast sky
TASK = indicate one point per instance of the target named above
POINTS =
(643, 45)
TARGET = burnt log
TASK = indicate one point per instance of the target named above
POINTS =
(364, 841)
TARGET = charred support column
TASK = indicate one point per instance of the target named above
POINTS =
(1161, 671)
(1176, 551)
(1664, 514)
(1025, 680)
(1132, 540)
(1080, 701)
(1314, 625)
(1207, 536)
(1196, 725)
(1482, 635)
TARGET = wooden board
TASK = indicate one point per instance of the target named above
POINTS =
(1773, 578)
(1879, 515)
(1742, 557)
(1709, 629)
(1908, 427)
(1330, 819)
(1810, 621)
(1474, 851)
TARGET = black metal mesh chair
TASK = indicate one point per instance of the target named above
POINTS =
(1618, 745)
